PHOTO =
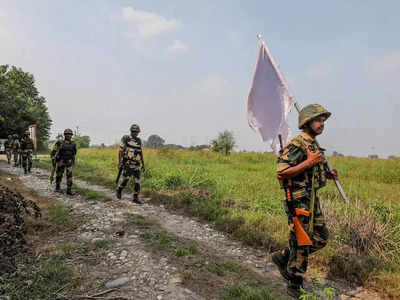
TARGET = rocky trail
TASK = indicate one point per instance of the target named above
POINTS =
(156, 254)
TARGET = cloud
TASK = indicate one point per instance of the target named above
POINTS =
(177, 46)
(149, 24)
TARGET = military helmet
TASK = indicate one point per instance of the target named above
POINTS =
(68, 131)
(15, 136)
(135, 128)
(310, 112)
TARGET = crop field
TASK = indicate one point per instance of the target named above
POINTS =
(240, 195)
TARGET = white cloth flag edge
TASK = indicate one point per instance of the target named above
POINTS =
(287, 103)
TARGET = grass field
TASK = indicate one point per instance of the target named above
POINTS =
(240, 195)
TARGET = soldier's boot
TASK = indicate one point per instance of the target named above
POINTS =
(51, 179)
(69, 191)
(136, 199)
(119, 192)
(294, 286)
(294, 290)
(280, 259)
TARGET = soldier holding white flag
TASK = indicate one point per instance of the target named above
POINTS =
(302, 167)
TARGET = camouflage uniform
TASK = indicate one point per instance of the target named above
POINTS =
(65, 152)
(295, 257)
(26, 147)
(8, 147)
(15, 150)
(131, 149)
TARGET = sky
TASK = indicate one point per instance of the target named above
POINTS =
(182, 69)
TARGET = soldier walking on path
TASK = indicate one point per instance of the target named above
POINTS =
(15, 149)
(65, 152)
(301, 173)
(8, 147)
(131, 162)
(27, 148)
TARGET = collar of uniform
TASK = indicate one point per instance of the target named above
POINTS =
(306, 136)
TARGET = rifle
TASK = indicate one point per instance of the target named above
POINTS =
(303, 239)
(120, 171)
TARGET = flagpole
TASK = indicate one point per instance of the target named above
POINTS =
(297, 106)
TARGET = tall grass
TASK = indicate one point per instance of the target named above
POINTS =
(241, 195)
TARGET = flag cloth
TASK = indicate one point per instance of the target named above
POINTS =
(269, 101)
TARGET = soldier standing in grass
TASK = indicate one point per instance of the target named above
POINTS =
(15, 149)
(8, 147)
(65, 152)
(26, 147)
(301, 173)
(131, 162)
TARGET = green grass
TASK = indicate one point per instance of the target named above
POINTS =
(240, 195)
(86, 248)
(90, 194)
(250, 291)
(61, 215)
(41, 280)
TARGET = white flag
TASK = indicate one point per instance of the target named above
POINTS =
(269, 101)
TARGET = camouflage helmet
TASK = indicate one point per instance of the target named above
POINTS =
(68, 131)
(135, 128)
(310, 112)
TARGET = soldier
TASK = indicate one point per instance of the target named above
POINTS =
(26, 147)
(131, 162)
(65, 152)
(15, 149)
(8, 147)
(301, 171)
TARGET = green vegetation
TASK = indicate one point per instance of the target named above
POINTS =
(61, 215)
(250, 291)
(21, 104)
(50, 277)
(90, 194)
(42, 279)
(240, 195)
(82, 249)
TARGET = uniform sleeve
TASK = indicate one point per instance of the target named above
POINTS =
(291, 156)
(122, 144)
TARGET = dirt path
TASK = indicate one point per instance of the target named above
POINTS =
(152, 273)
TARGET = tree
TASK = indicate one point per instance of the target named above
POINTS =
(21, 105)
(199, 147)
(81, 141)
(225, 142)
(155, 141)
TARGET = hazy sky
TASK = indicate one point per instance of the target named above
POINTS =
(182, 69)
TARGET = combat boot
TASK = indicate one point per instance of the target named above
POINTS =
(137, 200)
(69, 192)
(294, 291)
(119, 193)
(281, 260)
(294, 286)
